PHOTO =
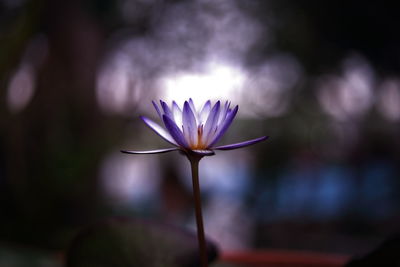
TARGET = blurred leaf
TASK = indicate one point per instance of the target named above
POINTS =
(126, 242)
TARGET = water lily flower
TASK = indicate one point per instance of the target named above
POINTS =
(194, 131)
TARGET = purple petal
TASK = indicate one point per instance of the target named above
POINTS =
(211, 123)
(175, 131)
(192, 106)
(156, 151)
(159, 130)
(177, 113)
(157, 109)
(189, 124)
(204, 112)
(241, 144)
(166, 109)
(191, 103)
(224, 126)
(224, 112)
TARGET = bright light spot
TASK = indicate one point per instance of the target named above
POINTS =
(349, 95)
(389, 100)
(197, 49)
(117, 84)
(218, 81)
(130, 179)
(356, 90)
(268, 88)
(328, 97)
(21, 88)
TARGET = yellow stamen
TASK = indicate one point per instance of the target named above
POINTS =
(199, 144)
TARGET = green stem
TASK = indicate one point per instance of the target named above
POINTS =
(194, 162)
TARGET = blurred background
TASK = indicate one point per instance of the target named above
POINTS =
(321, 78)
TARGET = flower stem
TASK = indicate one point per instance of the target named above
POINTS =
(194, 162)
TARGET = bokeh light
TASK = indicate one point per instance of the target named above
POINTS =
(21, 88)
(351, 95)
(217, 82)
(388, 102)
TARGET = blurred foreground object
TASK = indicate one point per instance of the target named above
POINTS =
(126, 242)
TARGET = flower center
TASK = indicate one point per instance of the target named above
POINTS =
(200, 144)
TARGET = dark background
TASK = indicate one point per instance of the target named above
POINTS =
(321, 78)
